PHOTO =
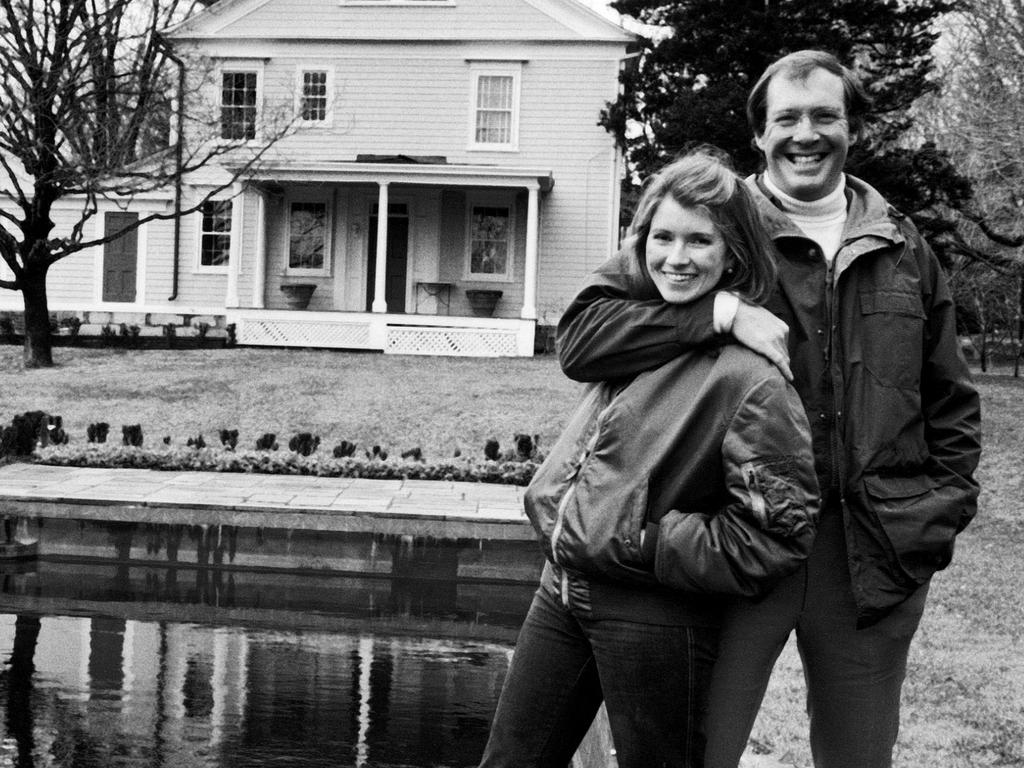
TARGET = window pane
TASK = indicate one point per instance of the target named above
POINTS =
(215, 248)
(314, 95)
(238, 106)
(493, 127)
(494, 92)
(307, 235)
(494, 109)
(489, 249)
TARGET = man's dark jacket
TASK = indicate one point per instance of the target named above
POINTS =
(894, 417)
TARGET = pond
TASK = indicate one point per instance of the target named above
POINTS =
(109, 665)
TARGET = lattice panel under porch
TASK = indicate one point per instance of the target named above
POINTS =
(288, 333)
(463, 342)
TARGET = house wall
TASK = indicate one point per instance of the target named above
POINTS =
(398, 88)
(464, 19)
(415, 99)
(75, 283)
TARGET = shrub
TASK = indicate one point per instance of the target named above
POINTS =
(172, 458)
(29, 430)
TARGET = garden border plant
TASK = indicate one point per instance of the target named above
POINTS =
(25, 439)
(220, 459)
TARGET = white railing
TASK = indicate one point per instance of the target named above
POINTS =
(389, 333)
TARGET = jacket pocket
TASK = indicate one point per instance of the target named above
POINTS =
(914, 520)
(599, 530)
(775, 496)
(892, 336)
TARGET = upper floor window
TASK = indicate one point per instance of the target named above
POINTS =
(307, 237)
(314, 95)
(490, 241)
(239, 95)
(215, 234)
(495, 109)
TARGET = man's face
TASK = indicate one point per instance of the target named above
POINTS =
(806, 136)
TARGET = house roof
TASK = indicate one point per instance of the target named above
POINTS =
(372, 169)
(401, 20)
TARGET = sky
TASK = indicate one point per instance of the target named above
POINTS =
(602, 6)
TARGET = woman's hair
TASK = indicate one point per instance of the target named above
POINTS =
(704, 179)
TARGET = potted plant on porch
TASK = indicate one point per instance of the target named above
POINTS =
(298, 294)
(483, 301)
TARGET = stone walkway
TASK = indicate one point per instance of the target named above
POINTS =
(414, 507)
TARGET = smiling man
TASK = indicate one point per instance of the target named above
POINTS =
(863, 321)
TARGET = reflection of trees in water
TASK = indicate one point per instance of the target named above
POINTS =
(319, 699)
(16, 677)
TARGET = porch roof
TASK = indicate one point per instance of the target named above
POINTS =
(431, 174)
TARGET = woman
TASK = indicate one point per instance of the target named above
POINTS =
(664, 496)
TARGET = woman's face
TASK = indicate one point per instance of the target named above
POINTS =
(686, 254)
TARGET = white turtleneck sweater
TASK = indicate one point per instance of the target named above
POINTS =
(821, 220)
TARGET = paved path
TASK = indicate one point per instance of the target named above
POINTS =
(414, 507)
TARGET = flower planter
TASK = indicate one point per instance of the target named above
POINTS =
(297, 295)
(483, 302)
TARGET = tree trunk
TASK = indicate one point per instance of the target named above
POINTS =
(1018, 347)
(38, 344)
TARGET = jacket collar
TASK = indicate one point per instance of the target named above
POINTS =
(871, 223)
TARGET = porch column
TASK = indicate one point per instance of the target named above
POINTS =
(259, 278)
(380, 275)
(529, 311)
(235, 259)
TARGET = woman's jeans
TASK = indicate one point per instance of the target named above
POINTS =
(653, 678)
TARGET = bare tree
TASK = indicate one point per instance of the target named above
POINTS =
(94, 105)
(979, 119)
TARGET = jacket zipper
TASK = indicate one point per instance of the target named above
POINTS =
(563, 505)
(830, 299)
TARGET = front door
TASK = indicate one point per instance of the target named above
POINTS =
(396, 260)
(120, 257)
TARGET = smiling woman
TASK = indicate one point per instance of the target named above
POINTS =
(668, 491)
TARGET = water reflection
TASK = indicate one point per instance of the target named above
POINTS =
(92, 691)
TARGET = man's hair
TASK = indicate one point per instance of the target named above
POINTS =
(704, 179)
(798, 66)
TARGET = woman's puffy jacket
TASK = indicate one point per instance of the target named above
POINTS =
(697, 475)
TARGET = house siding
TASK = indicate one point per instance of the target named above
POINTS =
(384, 97)
(401, 82)
(465, 20)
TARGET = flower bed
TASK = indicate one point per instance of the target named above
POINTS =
(177, 458)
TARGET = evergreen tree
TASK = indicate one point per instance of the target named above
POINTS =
(690, 84)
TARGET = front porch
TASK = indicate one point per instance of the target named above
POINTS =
(399, 334)
(450, 270)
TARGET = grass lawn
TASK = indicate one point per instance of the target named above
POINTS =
(439, 404)
(964, 696)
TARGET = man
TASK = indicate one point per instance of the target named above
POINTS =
(863, 322)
